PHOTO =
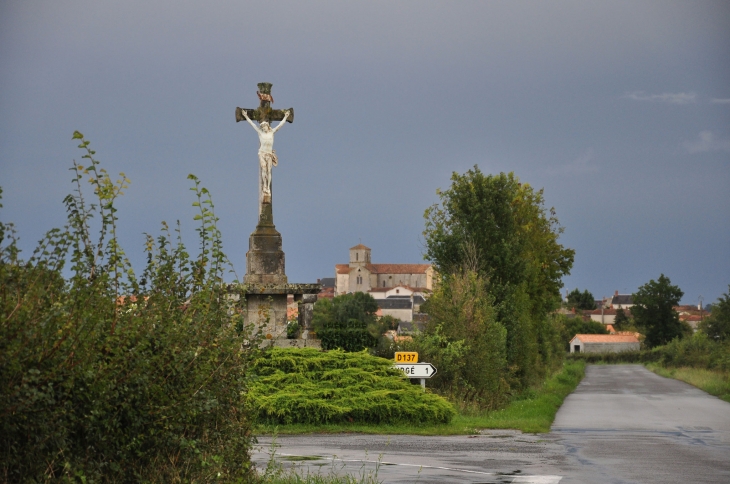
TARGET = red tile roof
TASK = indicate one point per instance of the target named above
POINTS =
(359, 247)
(605, 338)
(387, 268)
(398, 268)
(690, 317)
(606, 312)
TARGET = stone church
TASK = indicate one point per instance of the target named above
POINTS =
(361, 275)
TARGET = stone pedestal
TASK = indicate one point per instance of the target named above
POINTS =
(265, 259)
(265, 288)
(264, 307)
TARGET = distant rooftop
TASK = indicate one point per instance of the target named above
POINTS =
(605, 338)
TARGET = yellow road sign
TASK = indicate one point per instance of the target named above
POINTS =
(406, 357)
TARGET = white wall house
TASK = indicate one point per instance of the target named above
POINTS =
(603, 343)
(621, 301)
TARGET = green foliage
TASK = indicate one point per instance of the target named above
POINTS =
(581, 300)
(348, 322)
(622, 322)
(292, 329)
(499, 228)
(717, 324)
(534, 411)
(714, 382)
(654, 312)
(98, 388)
(576, 325)
(465, 343)
(309, 386)
(697, 351)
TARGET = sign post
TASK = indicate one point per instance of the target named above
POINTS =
(418, 370)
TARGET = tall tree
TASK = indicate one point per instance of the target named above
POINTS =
(654, 311)
(581, 300)
(717, 324)
(500, 229)
(622, 321)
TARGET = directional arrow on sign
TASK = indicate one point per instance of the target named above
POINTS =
(417, 370)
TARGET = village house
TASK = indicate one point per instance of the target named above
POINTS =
(604, 343)
(621, 301)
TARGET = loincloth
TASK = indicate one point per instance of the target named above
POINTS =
(269, 157)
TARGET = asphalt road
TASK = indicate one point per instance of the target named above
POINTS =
(623, 424)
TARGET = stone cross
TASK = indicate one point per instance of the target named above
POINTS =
(264, 114)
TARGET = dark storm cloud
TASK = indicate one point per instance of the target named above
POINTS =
(618, 109)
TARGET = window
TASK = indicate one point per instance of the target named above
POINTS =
(383, 283)
(357, 256)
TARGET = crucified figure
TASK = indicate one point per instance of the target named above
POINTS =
(267, 155)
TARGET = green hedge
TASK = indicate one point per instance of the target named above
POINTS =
(697, 351)
(314, 387)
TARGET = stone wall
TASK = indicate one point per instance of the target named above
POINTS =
(605, 347)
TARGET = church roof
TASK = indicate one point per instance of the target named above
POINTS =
(387, 268)
(359, 247)
(398, 268)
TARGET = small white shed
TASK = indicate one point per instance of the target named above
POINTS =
(603, 343)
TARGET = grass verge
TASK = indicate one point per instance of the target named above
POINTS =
(714, 382)
(532, 412)
(535, 412)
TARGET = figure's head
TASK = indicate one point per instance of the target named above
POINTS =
(265, 127)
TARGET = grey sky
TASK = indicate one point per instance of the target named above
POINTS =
(620, 110)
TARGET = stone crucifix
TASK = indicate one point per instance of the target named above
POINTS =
(264, 114)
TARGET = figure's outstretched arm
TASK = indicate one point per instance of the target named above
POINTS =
(281, 123)
(245, 115)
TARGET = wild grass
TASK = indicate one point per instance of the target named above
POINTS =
(533, 411)
(714, 382)
(275, 473)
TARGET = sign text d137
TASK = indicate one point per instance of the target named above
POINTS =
(406, 357)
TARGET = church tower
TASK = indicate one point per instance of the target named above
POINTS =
(359, 256)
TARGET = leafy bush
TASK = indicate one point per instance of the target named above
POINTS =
(465, 343)
(292, 329)
(97, 387)
(576, 325)
(348, 322)
(309, 386)
(717, 324)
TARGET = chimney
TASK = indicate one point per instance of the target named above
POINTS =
(616, 293)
